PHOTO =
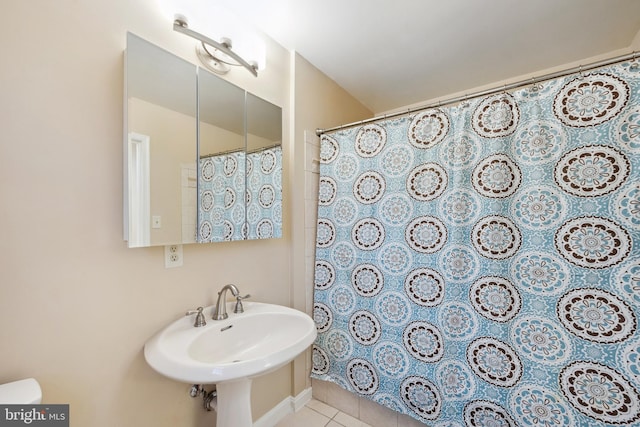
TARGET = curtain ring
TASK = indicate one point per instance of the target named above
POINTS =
(465, 101)
(634, 64)
(534, 82)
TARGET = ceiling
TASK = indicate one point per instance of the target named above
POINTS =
(393, 53)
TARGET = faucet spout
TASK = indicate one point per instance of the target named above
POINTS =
(221, 304)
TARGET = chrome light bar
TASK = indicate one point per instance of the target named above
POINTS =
(180, 25)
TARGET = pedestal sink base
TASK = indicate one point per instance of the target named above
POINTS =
(234, 403)
(230, 352)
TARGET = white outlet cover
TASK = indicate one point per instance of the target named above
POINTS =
(173, 256)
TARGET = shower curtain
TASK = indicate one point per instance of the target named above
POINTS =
(240, 196)
(221, 188)
(264, 193)
(479, 265)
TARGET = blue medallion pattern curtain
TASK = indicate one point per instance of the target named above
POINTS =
(264, 193)
(222, 180)
(221, 188)
(479, 265)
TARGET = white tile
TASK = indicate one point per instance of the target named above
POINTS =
(309, 310)
(311, 212)
(342, 399)
(189, 214)
(319, 389)
(377, 415)
(311, 155)
(310, 137)
(189, 197)
(349, 421)
(407, 421)
(309, 270)
(323, 408)
(305, 417)
(311, 234)
(311, 185)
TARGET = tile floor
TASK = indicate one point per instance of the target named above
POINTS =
(319, 414)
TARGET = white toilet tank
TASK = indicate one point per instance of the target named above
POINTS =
(21, 392)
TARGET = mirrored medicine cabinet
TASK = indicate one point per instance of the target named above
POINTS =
(202, 157)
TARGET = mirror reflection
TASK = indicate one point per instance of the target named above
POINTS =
(161, 145)
(203, 158)
(222, 170)
(264, 169)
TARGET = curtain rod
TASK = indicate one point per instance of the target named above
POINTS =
(222, 153)
(240, 150)
(534, 80)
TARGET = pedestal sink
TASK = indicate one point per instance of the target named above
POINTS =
(231, 352)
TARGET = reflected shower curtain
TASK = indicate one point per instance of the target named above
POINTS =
(479, 265)
(264, 193)
(221, 185)
(222, 182)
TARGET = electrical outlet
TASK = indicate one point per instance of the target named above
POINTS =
(172, 256)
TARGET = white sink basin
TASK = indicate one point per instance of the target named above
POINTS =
(245, 345)
(231, 352)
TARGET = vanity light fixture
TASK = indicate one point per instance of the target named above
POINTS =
(216, 56)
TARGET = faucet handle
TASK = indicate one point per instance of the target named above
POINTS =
(239, 308)
(200, 320)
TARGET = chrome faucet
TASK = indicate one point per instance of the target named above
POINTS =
(221, 307)
(199, 317)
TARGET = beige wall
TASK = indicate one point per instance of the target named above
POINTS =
(76, 305)
(172, 138)
(214, 140)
